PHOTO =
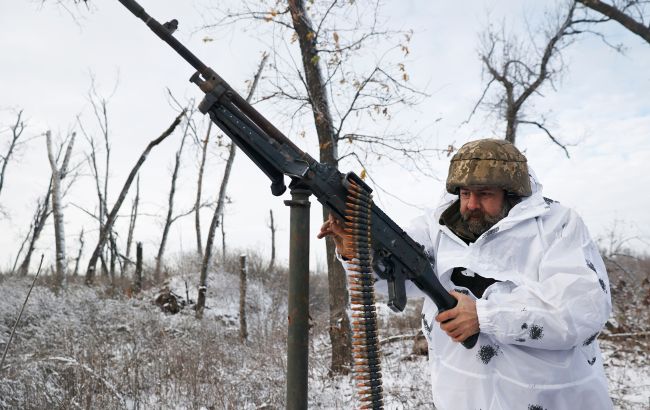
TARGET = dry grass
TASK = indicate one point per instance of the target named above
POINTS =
(104, 347)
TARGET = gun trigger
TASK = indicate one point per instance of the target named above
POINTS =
(382, 264)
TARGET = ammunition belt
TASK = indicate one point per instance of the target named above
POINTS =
(365, 342)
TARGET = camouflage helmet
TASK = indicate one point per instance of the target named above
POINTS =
(490, 162)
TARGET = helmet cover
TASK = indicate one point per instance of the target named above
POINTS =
(489, 162)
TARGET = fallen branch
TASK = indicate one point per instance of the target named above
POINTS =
(637, 334)
(397, 338)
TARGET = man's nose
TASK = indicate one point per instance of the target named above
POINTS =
(473, 202)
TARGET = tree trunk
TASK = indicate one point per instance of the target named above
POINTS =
(243, 271)
(223, 242)
(106, 228)
(137, 286)
(57, 208)
(511, 123)
(170, 205)
(113, 255)
(100, 197)
(207, 255)
(41, 214)
(43, 211)
(57, 212)
(133, 217)
(339, 326)
(22, 246)
(218, 211)
(272, 226)
(78, 258)
(199, 190)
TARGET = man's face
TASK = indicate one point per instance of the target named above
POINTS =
(481, 207)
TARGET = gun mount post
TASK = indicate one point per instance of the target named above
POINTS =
(298, 333)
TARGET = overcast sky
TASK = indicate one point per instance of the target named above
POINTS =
(601, 105)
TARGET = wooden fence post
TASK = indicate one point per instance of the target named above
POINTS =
(138, 267)
(243, 270)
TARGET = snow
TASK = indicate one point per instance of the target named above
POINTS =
(97, 348)
(628, 371)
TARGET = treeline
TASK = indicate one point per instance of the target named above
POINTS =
(110, 256)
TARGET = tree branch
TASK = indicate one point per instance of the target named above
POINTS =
(548, 133)
(106, 228)
(619, 16)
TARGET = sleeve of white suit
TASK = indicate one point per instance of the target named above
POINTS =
(566, 307)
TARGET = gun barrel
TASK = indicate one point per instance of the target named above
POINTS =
(166, 36)
(207, 73)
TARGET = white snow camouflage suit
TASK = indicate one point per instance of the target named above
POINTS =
(537, 348)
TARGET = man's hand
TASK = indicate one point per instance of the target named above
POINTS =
(334, 228)
(460, 322)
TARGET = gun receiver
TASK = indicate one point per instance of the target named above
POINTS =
(396, 257)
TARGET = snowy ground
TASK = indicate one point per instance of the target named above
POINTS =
(97, 348)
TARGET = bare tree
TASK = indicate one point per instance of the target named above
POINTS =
(57, 208)
(79, 253)
(243, 272)
(137, 285)
(272, 227)
(634, 15)
(44, 210)
(16, 131)
(218, 211)
(345, 72)
(73, 12)
(133, 218)
(521, 69)
(22, 244)
(223, 242)
(169, 220)
(99, 105)
(92, 162)
(207, 255)
(199, 191)
(41, 213)
(112, 216)
(339, 326)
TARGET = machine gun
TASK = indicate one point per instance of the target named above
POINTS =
(395, 256)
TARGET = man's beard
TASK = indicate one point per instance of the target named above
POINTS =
(478, 222)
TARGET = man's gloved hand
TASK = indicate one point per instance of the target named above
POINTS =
(460, 322)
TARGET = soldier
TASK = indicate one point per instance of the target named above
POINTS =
(526, 275)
